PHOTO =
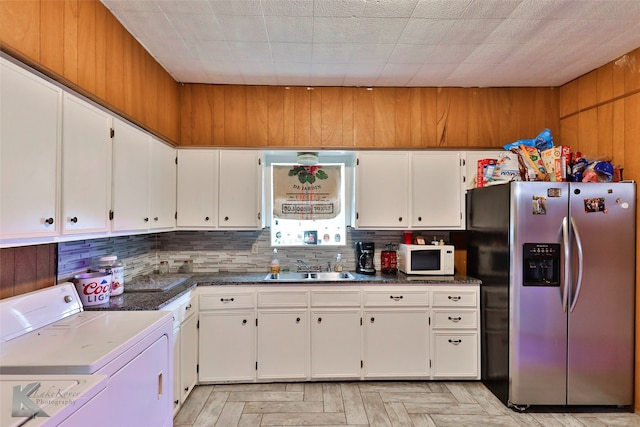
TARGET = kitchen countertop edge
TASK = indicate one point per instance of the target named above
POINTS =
(145, 301)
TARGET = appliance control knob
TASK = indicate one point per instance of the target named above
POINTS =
(68, 298)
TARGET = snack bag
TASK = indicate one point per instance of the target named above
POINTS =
(549, 161)
(506, 169)
(484, 171)
(533, 161)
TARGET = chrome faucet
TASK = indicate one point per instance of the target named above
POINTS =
(303, 264)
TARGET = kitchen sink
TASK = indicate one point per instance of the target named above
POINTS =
(319, 276)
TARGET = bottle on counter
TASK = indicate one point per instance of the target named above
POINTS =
(338, 267)
(164, 267)
(274, 266)
(111, 264)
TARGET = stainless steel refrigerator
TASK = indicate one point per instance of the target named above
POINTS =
(557, 264)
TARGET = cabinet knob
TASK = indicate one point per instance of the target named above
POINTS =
(419, 218)
(297, 320)
(400, 219)
(319, 319)
(244, 321)
(187, 307)
(373, 319)
(74, 219)
(455, 342)
(176, 402)
(186, 389)
(146, 219)
(155, 218)
(206, 218)
(226, 218)
(48, 221)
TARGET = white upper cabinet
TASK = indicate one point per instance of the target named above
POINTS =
(86, 167)
(197, 188)
(437, 195)
(162, 186)
(382, 190)
(240, 189)
(30, 133)
(130, 202)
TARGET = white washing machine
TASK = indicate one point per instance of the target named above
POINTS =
(47, 332)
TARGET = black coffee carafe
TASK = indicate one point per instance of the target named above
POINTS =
(365, 252)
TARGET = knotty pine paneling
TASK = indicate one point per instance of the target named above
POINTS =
(26, 269)
(338, 117)
(82, 45)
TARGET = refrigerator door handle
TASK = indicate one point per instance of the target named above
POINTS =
(567, 261)
(580, 263)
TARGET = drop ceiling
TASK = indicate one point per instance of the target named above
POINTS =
(401, 43)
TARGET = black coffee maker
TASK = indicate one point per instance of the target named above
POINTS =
(365, 252)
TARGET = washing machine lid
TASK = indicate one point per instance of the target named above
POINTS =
(31, 401)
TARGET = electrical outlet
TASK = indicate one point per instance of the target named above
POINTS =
(254, 248)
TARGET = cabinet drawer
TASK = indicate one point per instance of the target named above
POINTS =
(335, 298)
(227, 300)
(455, 319)
(282, 299)
(396, 298)
(454, 298)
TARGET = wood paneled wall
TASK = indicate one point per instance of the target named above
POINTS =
(28, 268)
(345, 117)
(81, 44)
(600, 116)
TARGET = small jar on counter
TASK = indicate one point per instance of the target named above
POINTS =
(110, 264)
(187, 266)
(163, 268)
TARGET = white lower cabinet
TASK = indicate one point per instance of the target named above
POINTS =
(297, 333)
(227, 336)
(455, 336)
(336, 335)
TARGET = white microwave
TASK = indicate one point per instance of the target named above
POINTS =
(426, 259)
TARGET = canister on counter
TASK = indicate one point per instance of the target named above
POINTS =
(389, 259)
(110, 264)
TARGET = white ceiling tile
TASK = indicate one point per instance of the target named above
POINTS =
(206, 49)
(339, 8)
(132, 5)
(292, 52)
(369, 30)
(390, 9)
(412, 53)
(425, 31)
(472, 31)
(243, 28)
(332, 53)
(489, 54)
(335, 30)
(440, 9)
(196, 27)
(397, 74)
(496, 9)
(249, 51)
(289, 29)
(287, 8)
(372, 53)
(185, 6)
(236, 7)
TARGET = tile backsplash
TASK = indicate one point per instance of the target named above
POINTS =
(212, 251)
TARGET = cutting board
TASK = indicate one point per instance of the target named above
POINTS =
(155, 282)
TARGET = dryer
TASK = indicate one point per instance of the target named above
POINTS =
(47, 332)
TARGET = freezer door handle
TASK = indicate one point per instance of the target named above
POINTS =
(566, 283)
(576, 233)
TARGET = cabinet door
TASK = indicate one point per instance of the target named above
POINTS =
(455, 355)
(382, 190)
(227, 346)
(130, 178)
(188, 355)
(29, 156)
(197, 193)
(335, 343)
(437, 193)
(162, 185)
(395, 343)
(86, 167)
(240, 197)
(283, 344)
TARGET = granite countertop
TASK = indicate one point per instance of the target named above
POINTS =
(159, 300)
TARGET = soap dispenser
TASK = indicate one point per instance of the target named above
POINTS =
(338, 267)
(274, 267)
